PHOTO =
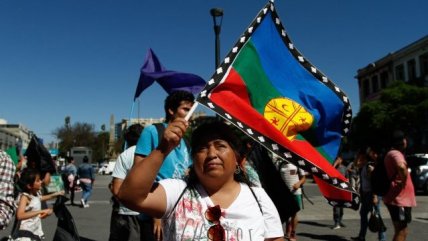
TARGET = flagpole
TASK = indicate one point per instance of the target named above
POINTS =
(189, 114)
(132, 111)
(139, 109)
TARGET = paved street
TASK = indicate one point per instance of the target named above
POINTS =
(315, 220)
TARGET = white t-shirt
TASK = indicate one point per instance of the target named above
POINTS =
(123, 164)
(243, 219)
(33, 224)
(290, 174)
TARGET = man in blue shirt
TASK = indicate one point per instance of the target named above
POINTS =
(177, 104)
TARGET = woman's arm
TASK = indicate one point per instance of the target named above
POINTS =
(402, 173)
(21, 214)
(138, 191)
(51, 196)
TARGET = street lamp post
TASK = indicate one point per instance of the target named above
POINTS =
(217, 15)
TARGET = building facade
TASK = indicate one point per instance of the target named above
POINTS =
(409, 64)
(120, 127)
(12, 135)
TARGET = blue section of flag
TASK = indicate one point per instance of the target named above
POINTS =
(289, 77)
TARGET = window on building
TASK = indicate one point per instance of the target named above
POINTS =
(366, 87)
(383, 79)
(375, 84)
(399, 72)
(423, 61)
(411, 69)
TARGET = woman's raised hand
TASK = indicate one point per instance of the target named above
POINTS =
(173, 134)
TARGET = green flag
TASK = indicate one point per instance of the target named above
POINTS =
(13, 155)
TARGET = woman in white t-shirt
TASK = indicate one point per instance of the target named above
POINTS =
(215, 202)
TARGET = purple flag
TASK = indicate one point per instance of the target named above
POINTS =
(170, 81)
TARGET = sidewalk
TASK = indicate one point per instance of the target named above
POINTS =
(315, 222)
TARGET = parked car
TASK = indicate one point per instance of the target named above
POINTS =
(418, 164)
(107, 168)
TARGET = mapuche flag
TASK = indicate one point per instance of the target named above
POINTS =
(152, 70)
(269, 90)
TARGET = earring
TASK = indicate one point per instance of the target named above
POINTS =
(238, 169)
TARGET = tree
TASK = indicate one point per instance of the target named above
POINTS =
(100, 147)
(78, 134)
(84, 134)
(400, 106)
(67, 121)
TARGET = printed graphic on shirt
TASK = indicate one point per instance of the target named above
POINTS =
(188, 222)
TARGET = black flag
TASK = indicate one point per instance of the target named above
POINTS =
(272, 182)
(38, 154)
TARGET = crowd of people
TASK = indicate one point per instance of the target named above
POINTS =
(399, 197)
(24, 192)
(166, 188)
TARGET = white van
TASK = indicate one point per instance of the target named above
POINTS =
(107, 168)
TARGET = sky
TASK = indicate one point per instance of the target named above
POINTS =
(82, 58)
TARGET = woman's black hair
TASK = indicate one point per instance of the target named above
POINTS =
(215, 130)
(28, 177)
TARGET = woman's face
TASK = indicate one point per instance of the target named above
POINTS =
(216, 158)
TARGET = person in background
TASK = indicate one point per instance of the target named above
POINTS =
(294, 178)
(7, 201)
(125, 224)
(29, 212)
(215, 201)
(353, 170)
(70, 177)
(338, 210)
(400, 197)
(86, 178)
(177, 105)
(369, 200)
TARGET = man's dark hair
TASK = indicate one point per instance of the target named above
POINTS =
(132, 134)
(85, 159)
(173, 101)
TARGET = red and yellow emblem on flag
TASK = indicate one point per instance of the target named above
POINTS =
(288, 117)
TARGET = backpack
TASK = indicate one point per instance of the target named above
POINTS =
(379, 179)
